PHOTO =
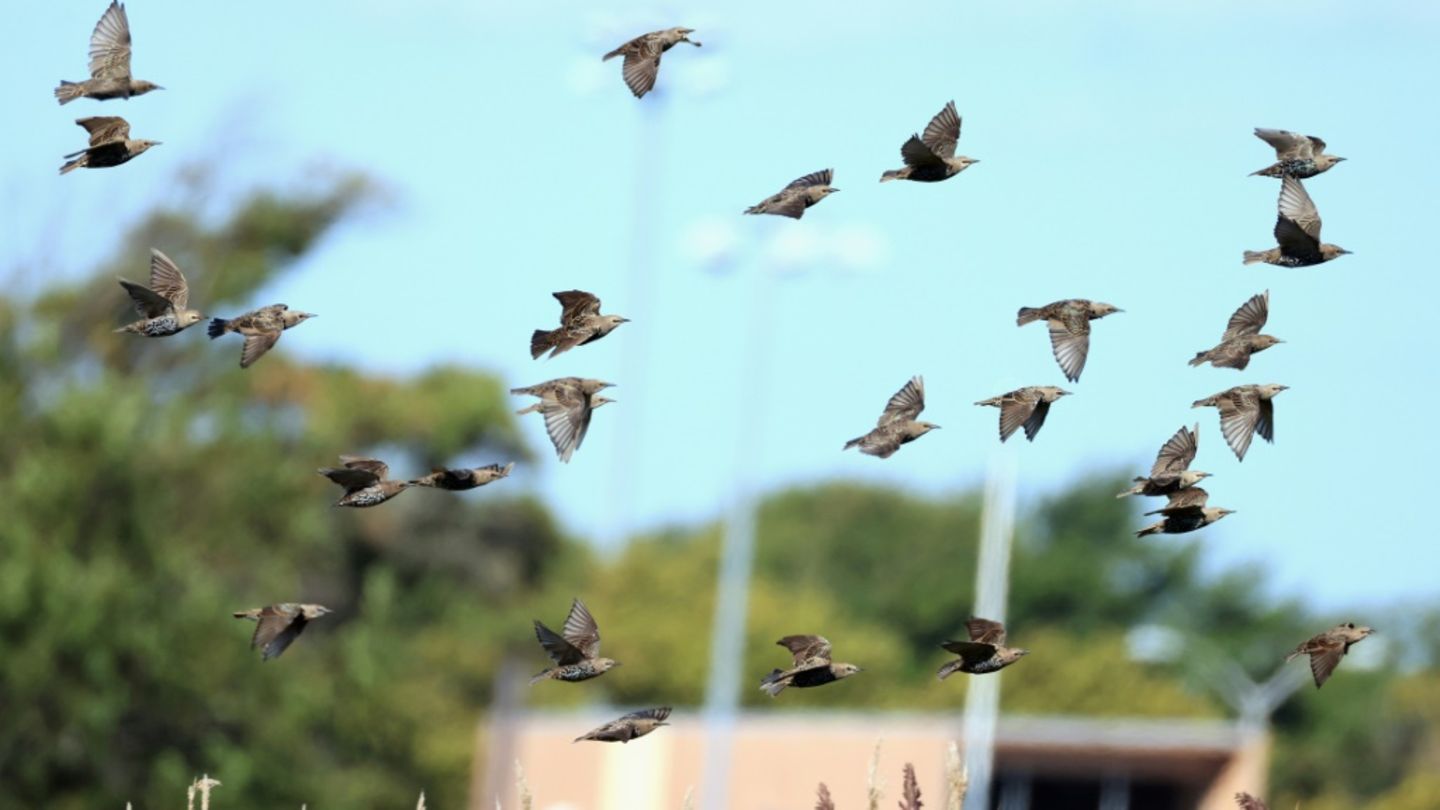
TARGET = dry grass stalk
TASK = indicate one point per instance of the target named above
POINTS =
(202, 786)
(873, 780)
(910, 790)
(823, 800)
(688, 803)
(957, 778)
(522, 788)
(420, 805)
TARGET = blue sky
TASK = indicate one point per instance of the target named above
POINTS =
(1114, 139)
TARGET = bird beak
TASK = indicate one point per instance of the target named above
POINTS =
(624, 320)
(1340, 159)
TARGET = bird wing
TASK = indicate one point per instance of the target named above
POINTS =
(1296, 206)
(1014, 412)
(1250, 318)
(642, 67)
(148, 303)
(1324, 657)
(786, 205)
(943, 131)
(576, 304)
(581, 630)
(167, 280)
(256, 345)
(273, 620)
(110, 45)
(562, 652)
(1036, 420)
(820, 178)
(806, 648)
(906, 404)
(349, 478)
(1247, 802)
(567, 419)
(1289, 145)
(105, 129)
(972, 651)
(1317, 146)
(1177, 453)
(1265, 420)
(1070, 340)
(985, 631)
(1187, 498)
(1237, 423)
(657, 714)
(374, 466)
(916, 154)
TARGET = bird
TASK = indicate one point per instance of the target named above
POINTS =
(110, 144)
(897, 425)
(164, 305)
(1327, 648)
(1297, 156)
(109, 63)
(575, 649)
(930, 158)
(792, 200)
(1244, 411)
(1242, 336)
(630, 726)
(1171, 471)
(812, 666)
(279, 625)
(459, 480)
(1024, 407)
(1247, 802)
(1180, 519)
(260, 327)
(1069, 322)
(566, 403)
(365, 481)
(642, 57)
(1297, 229)
(984, 652)
(580, 323)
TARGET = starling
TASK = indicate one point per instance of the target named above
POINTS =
(642, 56)
(1326, 649)
(464, 478)
(110, 144)
(632, 725)
(1171, 471)
(1069, 330)
(1180, 519)
(575, 650)
(1247, 802)
(279, 625)
(1244, 411)
(365, 481)
(1024, 407)
(566, 404)
(1298, 156)
(163, 306)
(984, 652)
(897, 424)
(1242, 336)
(580, 323)
(812, 666)
(109, 63)
(930, 158)
(1297, 229)
(792, 200)
(261, 328)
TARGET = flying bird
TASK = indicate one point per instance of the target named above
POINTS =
(566, 403)
(164, 305)
(1327, 648)
(792, 200)
(575, 649)
(930, 158)
(897, 425)
(812, 666)
(279, 625)
(109, 63)
(642, 57)
(984, 652)
(1182, 518)
(1297, 229)
(459, 480)
(110, 144)
(580, 323)
(1297, 156)
(1242, 336)
(632, 725)
(1024, 407)
(365, 481)
(1244, 411)
(1069, 329)
(261, 328)
(1171, 471)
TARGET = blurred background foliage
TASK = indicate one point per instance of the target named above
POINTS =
(151, 488)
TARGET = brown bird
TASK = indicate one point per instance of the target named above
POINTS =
(109, 63)
(1327, 648)
(1247, 802)
(163, 306)
(642, 57)
(930, 158)
(279, 625)
(110, 144)
(260, 327)
(1181, 519)
(1069, 329)
(1242, 336)
(575, 649)
(632, 725)
(459, 480)
(1297, 156)
(1244, 411)
(566, 403)
(984, 652)
(1297, 229)
(1171, 470)
(897, 424)
(580, 323)
(812, 666)
(1024, 407)
(792, 200)
(365, 481)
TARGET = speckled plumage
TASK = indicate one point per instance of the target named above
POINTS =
(1180, 520)
(580, 323)
(261, 329)
(930, 158)
(1069, 323)
(802, 193)
(897, 424)
(164, 305)
(1297, 156)
(630, 726)
(1244, 411)
(812, 666)
(459, 480)
(575, 649)
(110, 144)
(1327, 648)
(642, 57)
(109, 63)
(1171, 471)
(1297, 230)
(365, 481)
(984, 652)
(279, 625)
(1024, 407)
(567, 404)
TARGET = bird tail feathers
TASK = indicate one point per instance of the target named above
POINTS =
(1200, 357)
(68, 92)
(541, 341)
(1153, 528)
(1027, 315)
(848, 445)
(1201, 403)
(1254, 256)
(892, 174)
(773, 684)
(74, 163)
(540, 676)
(611, 55)
(1132, 491)
(217, 327)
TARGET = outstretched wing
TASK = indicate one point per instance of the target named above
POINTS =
(167, 281)
(110, 45)
(820, 178)
(1250, 318)
(567, 420)
(1237, 422)
(373, 466)
(349, 478)
(148, 303)
(576, 304)
(906, 404)
(1015, 412)
(256, 345)
(916, 154)
(642, 67)
(1177, 453)
(943, 132)
(806, 648)
(1298, 227)
(657, 714)
(581, 630)
(1289, 145)
(1323, 660)
(972, 651)
(985, 631)
(105, 129)
(1070, 341)
(562, 652)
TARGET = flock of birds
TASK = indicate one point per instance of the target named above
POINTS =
(566, 403)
